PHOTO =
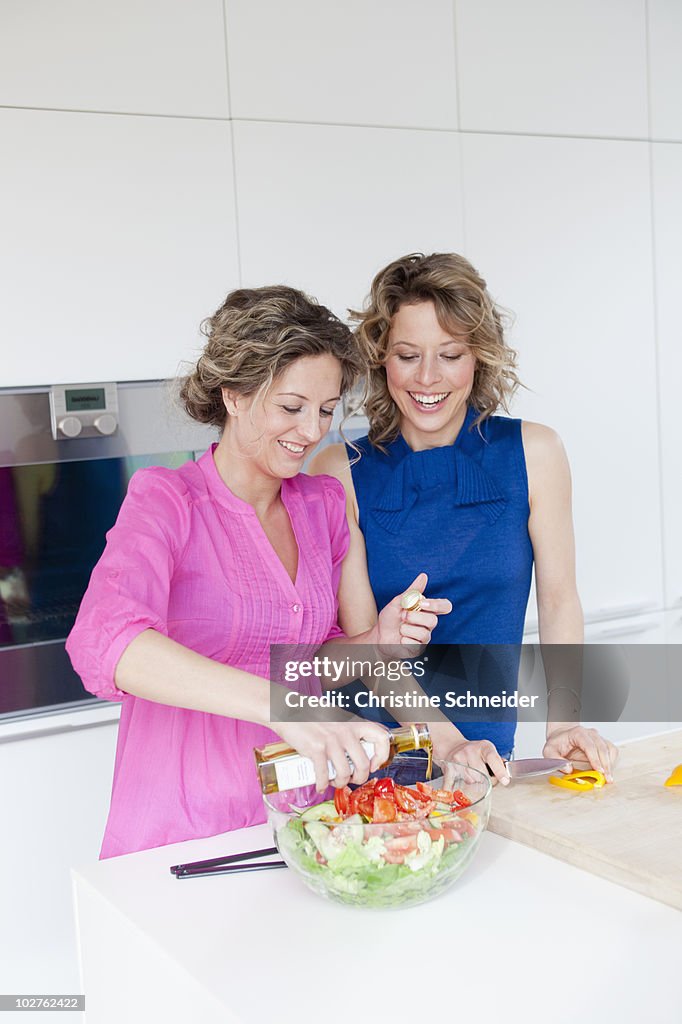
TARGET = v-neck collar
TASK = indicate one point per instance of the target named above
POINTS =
(289, 497)
(223, 496)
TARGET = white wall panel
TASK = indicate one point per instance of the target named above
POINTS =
(665, 74)
(137, 56)
(547, 66)
(673, 628)
(667, 177)
(673, 639)
(561, 230)
(118, 238)
(388, 62)
(323, 208)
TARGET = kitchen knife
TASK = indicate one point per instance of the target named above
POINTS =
(527, 767)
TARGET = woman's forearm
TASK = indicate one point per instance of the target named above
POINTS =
(157, 668)
(561, 621)
(561, 627)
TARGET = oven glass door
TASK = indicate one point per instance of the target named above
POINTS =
(54, 517)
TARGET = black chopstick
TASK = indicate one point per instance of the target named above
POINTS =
(232, 859)
(225, 869)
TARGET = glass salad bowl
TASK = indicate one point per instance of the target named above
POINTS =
(383, 844)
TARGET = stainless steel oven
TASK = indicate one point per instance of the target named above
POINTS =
(66, 456)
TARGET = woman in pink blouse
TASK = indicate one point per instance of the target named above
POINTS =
(210, 564)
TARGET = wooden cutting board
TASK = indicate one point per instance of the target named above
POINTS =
(629, 832)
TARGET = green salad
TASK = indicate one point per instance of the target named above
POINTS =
(358, 859)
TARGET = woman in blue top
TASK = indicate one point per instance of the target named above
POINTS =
(473, 498)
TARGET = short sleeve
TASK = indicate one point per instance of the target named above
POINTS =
(129, 587)
(335, 502)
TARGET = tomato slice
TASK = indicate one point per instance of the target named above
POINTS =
(342, 800)
(406, 828)
(465, 826)
(444, 796)
(455, 798)
(383, 810)
(424, 794)
(366, 806)
(361, 802)
(402, 844)
(450, 835)
(460, 799)
(385, 788)
(397, 849)
(405, 801)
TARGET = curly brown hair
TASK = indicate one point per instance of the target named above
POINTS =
(462, 304)
(254, 336)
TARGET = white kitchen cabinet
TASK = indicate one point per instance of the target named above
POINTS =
(673, 626)
(324, 207)
(55, 803)
(633, 629)
(118, 238)
(550, 67)
(640, 629)
(389, 62)
(130, 56)
(673, 637)
(561, 230)
(667, 176)
(665, 68)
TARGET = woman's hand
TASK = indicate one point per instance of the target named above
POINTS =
(575, 742)
(337, 742)
(397, 626)
(445, 737)
(481, 755)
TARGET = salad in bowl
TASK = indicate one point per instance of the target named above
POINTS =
(383, 844)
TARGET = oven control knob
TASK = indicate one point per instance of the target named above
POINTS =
(106, 423)
(70, 426)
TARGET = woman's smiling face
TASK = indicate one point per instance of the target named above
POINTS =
(430, 374)
(279, 431)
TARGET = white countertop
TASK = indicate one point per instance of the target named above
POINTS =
(521, 937)
(59, 720)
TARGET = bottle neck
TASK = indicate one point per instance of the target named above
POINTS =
(411, 737)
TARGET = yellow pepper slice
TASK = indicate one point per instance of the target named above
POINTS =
(580, 781)
(675, 777)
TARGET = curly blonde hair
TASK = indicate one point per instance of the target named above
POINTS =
(254, 336)
(462, 305)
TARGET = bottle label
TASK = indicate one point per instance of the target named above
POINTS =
(295, 771)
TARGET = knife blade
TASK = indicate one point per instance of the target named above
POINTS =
(527, 767)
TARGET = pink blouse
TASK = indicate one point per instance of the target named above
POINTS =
(189, 559)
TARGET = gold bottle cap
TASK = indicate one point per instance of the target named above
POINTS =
(411, 601)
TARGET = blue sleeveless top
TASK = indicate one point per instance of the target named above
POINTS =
(460, 514)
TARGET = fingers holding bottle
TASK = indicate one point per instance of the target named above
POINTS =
(340, 752)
